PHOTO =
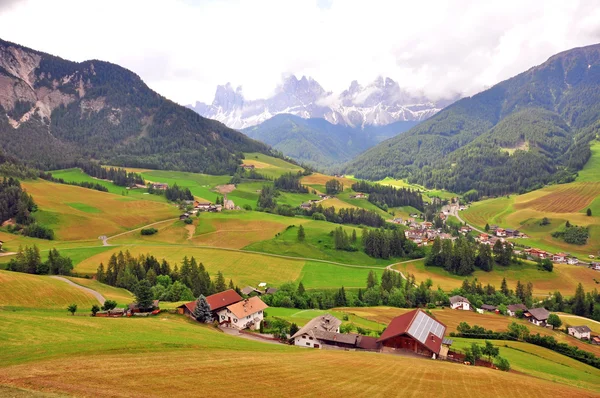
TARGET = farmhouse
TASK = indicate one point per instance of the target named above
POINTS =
(559, 257)
(490, 308)
(248, 166)
(202, 206)
(512, 309)
(460, 303)
(572, 261)
(309, 334)
(415, 332)
(246, 314)
(184, 216)
(537, 253)
(500, 232)
(358, 196)
(465, 229)
(305, 206)
(160, 186)
(248, 290)
(580, 332)
(595, 266)
(537, 316)
(216, 302)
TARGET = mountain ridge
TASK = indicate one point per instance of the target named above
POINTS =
(54, 111)
(379, 103)
(446, 151)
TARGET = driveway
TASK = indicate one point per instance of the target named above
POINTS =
(98, 296)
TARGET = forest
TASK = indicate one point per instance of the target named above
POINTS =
(388, 196)
(355, 216)
(290, 182)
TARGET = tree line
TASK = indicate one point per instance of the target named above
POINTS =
(385, 196)
(29, 261)
(168, 283)
(84, 184)
(581, 303)
(117, 175)
(382, 243)
(290, 182)
(355, 216)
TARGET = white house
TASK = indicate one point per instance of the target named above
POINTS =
(512, 309)
(246, 314)
(537, 316)
(460, 303)
(580, 332)
(307, 336)
(559, 257)
(572, 260)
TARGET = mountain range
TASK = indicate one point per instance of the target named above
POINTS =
(527, 131)
(318, 143)
(54, 112)
(379, 103)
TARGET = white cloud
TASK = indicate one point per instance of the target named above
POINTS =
(184, 48)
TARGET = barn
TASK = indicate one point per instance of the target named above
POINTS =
(216, 302)
(415, 332)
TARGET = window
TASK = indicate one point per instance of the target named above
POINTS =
(310, 338)
(307, 343)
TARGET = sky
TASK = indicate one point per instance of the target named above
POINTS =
(183, 49)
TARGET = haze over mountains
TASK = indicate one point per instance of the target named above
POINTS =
(54, 112)
(377, 104)
(522, 133)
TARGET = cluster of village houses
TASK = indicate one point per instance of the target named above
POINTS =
(537, 316)
(208, 207)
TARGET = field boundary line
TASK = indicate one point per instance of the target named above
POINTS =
(94, 293)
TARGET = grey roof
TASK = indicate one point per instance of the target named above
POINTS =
(517, 307)
(447, 341)
(249, 289)
(541, 314)
(423, 324)
(324, 323)
(336, 337)
(581, 329)
(489, 307)
(459, 299)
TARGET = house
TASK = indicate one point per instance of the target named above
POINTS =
(307, 335)
(580, 332)
(271, 290)
(490, 308)
(512, 309)
(305, 206)
(537, 253)
(160, 186)
(215, 208)
(509, 232)
(358, 196)
(216, 302)
(397, 220)
(572, 260)
(537, 316)
(500, 232)
(246, 314)
(135, 308)
(596, 340)
(416, 332)
(483, 238)
(203, 206)
(426, 224)
(248, 166)
(248, 290)
(493, 228)
(559, 257)
(184, 216)
(595, 266)
(228, 204)
(465, 229)
(460, 303)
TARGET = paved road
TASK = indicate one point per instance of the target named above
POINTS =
(453, 210)
(105, 239)
(98, 296)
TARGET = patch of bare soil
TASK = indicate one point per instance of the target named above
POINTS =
(223, 189)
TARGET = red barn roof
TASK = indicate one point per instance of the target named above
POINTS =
(418, 325)
(216, 301)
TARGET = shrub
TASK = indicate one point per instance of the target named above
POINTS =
(318, 216)
(38, 231)
(502, 364)
(149, 231)
(246, 207)
(188, 221)
(95, 309)
(109, 305)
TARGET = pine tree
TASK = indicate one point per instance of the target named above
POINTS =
(231, 286)
(354, 235)
(301, 289)
(301, 234)
(143, 294)
(220, 285)
(202, 311)
(579, 307)
(589, 212)
(371, 280)
(504, 287)
(100, 276)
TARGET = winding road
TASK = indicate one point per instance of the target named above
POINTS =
(94, 293)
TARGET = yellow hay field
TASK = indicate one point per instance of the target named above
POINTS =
(568, 198)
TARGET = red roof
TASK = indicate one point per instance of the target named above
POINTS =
(216, 301)
(223, 299)
(418, 325)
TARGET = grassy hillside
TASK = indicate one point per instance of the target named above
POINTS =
(78, 213)
(34, 291)
(65, 350)
(559, 203)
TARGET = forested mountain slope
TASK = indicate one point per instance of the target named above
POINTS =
(524, 132)
(53, 111)
(319, 143)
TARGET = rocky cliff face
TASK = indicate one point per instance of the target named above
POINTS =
(53, 111)
(380, 103)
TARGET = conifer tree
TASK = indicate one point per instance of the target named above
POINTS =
(301, 234)
(202, 312)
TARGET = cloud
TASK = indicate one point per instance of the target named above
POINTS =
(184, 48)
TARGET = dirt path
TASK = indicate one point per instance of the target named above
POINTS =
(390, 267)
(97, 295)
(106, 239)
(7, 253)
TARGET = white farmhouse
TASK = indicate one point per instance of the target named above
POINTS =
(460, 303)
(307, 336)
(246, 314)
(580, 332)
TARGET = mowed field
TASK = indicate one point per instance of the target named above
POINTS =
(564, 278)
(57, 353)
(270, 166)
(77, 213)
(36, 291)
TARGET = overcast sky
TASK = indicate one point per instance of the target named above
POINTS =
(184, 48)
